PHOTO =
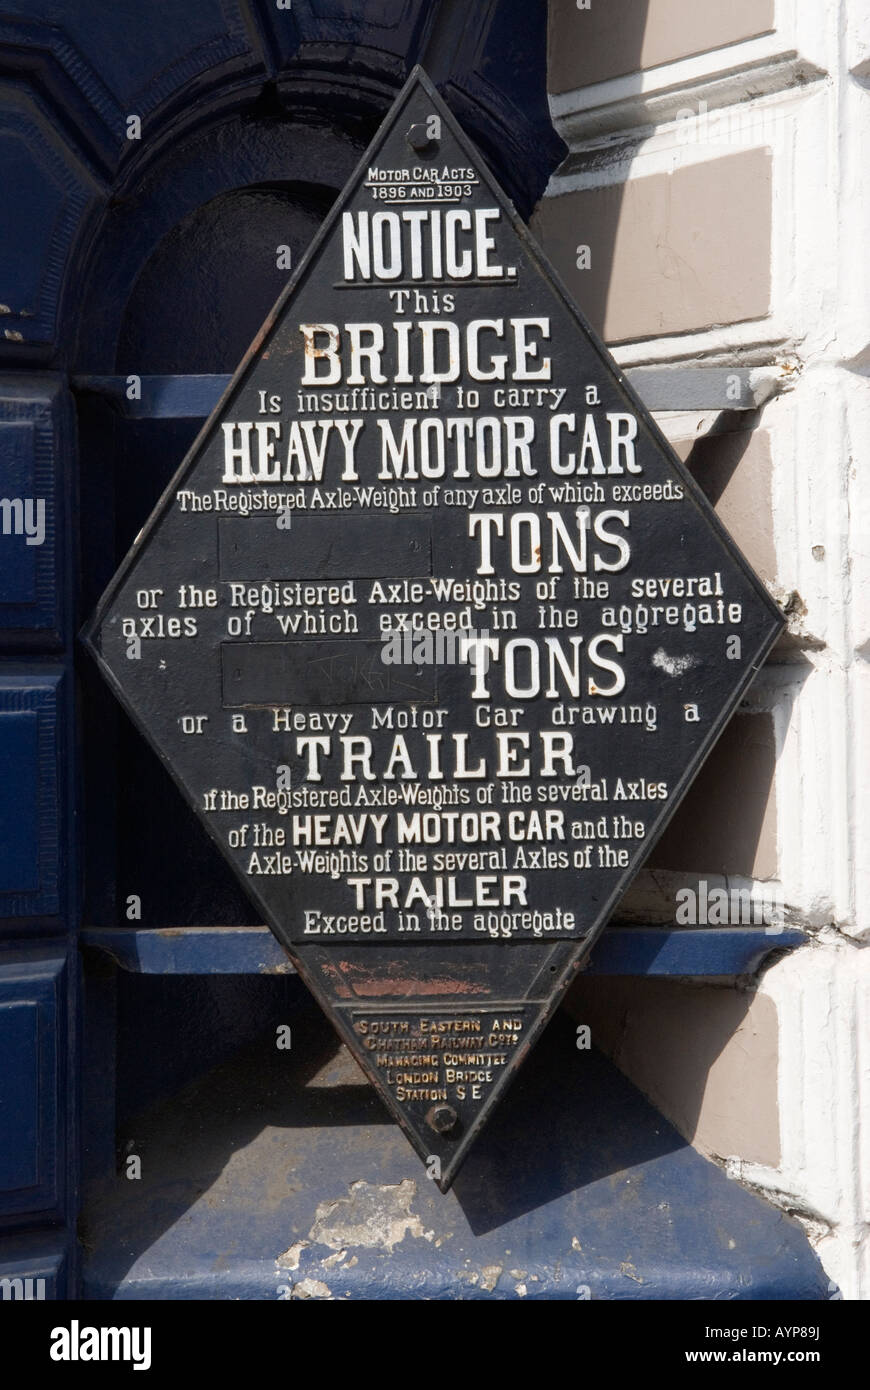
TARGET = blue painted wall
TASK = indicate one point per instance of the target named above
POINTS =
(247, 118)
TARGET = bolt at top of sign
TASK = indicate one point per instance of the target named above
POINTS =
(433, 630)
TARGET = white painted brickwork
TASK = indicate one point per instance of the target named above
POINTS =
(800, 97)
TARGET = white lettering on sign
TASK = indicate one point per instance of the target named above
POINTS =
(419, 243)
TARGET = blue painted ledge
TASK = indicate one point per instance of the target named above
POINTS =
(192, 397)
(278, 1175)
(681, 951)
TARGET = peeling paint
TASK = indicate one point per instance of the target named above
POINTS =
(673, 665)
(290, 1258)
(814, 1222)
(311, 1288)
(796, 611)
(354, 981)
(371, 1216)
(336, 1259)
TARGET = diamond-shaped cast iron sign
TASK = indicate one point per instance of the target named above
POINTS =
(432, 628)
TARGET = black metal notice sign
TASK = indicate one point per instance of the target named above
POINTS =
(432, 629)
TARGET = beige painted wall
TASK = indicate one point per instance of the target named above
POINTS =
(614, 37)
(727, 822)
(706, 1056)
(671, 252)
(733, 469)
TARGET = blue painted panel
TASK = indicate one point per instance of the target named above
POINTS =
(19, 1096)
(32, 1268)
(19, 514)
(183, 397)
(124, 58)
(19, 763)
(38, 227)
(32, 1018)
(30, 793)
(36, 452)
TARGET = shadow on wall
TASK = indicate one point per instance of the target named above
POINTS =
(584, 46)
(706, 1055)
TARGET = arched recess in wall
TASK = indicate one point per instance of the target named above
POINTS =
(178, 271)
(182, 275)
